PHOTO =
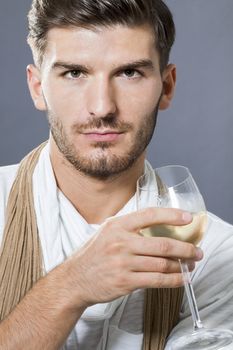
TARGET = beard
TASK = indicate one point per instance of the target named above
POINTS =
(104, 164)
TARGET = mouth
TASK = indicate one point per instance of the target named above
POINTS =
(103, 135)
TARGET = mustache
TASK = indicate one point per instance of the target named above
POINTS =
(100, 123)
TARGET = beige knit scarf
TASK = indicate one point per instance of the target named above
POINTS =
(21, 262)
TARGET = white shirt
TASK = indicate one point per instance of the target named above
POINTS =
(118, 325)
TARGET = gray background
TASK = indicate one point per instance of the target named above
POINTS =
(196, 131)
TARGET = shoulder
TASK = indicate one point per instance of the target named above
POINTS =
(8, 170)
(7, 176)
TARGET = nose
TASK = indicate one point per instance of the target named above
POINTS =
(101, 98)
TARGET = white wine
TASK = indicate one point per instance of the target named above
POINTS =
(192, 232)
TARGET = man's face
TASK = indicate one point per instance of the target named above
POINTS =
(101, 89)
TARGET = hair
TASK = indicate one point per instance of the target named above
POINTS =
(47, 14)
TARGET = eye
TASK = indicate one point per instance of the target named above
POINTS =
(131, 73)
(73, 74)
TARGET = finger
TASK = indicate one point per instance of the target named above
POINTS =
(165, 247)
(136, 221)
(156, 280)
(150, 264)
(191, 265)
(154, 264)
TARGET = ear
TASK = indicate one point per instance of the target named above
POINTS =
(169, 82)
(34, 84)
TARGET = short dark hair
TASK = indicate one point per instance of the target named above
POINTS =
(47, 14)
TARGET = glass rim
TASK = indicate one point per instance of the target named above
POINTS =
(169, 166)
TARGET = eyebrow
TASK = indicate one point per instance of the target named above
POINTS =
(68, 66)
(142, 63)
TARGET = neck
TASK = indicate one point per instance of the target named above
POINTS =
(87, 194)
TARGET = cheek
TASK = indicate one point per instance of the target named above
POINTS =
(63, 104)
(137, 106)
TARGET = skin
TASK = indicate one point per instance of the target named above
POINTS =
(117, 260)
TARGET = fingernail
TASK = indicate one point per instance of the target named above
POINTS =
(199, 253)
(191, 265)
(187, 216)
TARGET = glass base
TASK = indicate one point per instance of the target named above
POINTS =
(209, 339)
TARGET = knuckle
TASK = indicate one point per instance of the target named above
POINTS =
(159, 280)
(115, 247)
(164, 246)
(110, 223)
(121, 265)
(173, 280)
(147, 215)
(190, 250)
(150, 213)
(119, 245)
(163, 265)
(177, 214)
(121, 282)
(177, 280)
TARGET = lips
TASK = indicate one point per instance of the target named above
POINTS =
(103, 136)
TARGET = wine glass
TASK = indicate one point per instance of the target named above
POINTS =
(173, 186)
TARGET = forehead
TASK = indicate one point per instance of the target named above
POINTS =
(115, 43)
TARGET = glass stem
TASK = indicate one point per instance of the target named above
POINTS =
(197, 323)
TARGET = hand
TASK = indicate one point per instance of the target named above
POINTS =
(118, 260)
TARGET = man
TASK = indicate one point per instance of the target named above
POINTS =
(71, 238)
